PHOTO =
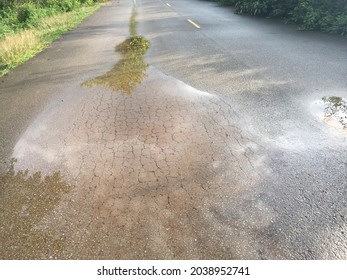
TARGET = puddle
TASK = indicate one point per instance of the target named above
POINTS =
(131, 69)
(24, 201)
(146, 170)
(335, 110)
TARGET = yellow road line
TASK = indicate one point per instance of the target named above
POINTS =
(168, 4)
(192, 22)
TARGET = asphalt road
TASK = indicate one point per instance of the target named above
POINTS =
(220, 151)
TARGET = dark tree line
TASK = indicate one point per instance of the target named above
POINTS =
(326, 15)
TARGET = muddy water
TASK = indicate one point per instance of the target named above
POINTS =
(154, 172)
(131, 69)
(24, 201)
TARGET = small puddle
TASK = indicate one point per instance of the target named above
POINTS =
(334, 111)
(131, 69)
(24, 201)
(335, 108)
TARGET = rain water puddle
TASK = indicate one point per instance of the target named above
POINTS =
(333, 110)
(146, 169)
(25, 200)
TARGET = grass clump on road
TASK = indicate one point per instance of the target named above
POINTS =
(134, 46)
(131, 69)
(27, 27)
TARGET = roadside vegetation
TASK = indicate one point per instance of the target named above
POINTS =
(28, 26)
(325, 15)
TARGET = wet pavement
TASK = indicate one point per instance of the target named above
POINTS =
(147, 169)
(125, 161)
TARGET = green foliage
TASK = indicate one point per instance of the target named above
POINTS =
(326, 15)
(19, 47)
(28, 15)
(46, 3)
(68, 5)
(257, 7)
(9, 21)
(135, 45)
(21, 14)
(227, 2)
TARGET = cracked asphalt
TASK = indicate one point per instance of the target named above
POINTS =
(232, 168)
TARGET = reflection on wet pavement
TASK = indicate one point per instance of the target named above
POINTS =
(167, 172)
(131, 69)
(335, 108)
(24, 201)
(333, 111)
(154, 172)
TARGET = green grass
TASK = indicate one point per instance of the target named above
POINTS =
(19, 47)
